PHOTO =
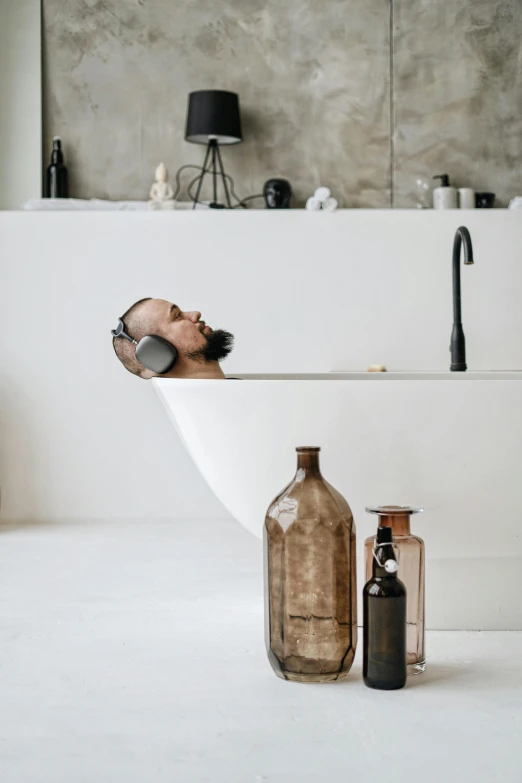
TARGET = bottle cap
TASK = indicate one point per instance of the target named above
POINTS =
(384, 536)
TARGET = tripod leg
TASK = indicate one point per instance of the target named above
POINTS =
(223, 176)
(214, 169)
(200, 183)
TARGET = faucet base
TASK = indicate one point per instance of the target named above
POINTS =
(458, 349)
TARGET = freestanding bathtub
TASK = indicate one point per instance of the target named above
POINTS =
(449, 442)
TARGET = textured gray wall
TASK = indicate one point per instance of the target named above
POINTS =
(328, 95)
(457, 87)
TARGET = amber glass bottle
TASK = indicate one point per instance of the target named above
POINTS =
(384, 620)
(411, 573)
(310, 578)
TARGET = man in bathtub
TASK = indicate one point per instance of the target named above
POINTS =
(156, 338)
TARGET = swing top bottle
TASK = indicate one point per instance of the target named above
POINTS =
(384, 621)
(411, 573)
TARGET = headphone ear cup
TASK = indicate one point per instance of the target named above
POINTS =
(156, 354)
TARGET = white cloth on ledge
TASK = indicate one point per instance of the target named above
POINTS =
(68, 204)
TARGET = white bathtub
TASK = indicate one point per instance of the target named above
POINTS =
(449, 442)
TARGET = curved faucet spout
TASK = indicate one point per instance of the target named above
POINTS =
(458, 342)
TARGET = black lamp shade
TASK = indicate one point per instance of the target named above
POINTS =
(213, 114)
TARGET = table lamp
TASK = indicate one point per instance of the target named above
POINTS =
(213, 119)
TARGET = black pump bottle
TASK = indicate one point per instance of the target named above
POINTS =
(384, 624)
(56, 175)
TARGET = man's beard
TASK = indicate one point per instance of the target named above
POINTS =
(218, 346)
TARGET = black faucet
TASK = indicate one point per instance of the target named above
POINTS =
(458, 342)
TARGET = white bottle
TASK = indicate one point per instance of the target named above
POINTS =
(445, 196)
(466, 198)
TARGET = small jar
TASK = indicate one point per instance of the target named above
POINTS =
(466, 198)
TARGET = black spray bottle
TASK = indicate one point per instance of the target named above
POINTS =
(56, 175)
(384, 625)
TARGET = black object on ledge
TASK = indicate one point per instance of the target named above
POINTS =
(277, 193)
(56, 179)
(484, 200)
(213, 118)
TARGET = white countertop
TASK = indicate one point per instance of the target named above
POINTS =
(134, 653)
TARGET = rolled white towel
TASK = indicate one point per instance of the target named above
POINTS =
(322, 193)
(331, 204)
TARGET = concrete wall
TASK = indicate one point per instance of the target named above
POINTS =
(363, 95)
(457, 88)
(20, 102)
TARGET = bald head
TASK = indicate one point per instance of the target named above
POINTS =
(199, 348)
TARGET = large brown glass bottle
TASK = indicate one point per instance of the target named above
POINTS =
(310, 578)
(411, 573)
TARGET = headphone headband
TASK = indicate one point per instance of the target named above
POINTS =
(120, 332)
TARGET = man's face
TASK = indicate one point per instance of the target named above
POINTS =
(186, 331)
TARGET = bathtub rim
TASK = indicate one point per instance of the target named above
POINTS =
(371, 377)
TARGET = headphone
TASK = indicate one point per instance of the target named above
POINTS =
(152, 351)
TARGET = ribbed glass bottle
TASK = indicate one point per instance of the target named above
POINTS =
(310, 578)
(411, 573)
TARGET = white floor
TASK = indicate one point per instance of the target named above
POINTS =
(134, 654)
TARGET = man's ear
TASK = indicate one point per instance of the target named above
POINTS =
(148, 374)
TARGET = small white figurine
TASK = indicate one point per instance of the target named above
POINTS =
(161, 193)
(322, 199)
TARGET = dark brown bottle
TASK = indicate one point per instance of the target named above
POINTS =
(384, 622)
(411, 573)
(56, 182)
(310, 578)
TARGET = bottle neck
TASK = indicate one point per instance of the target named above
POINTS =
(399, 523)
(308, 460)
(56, 154)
